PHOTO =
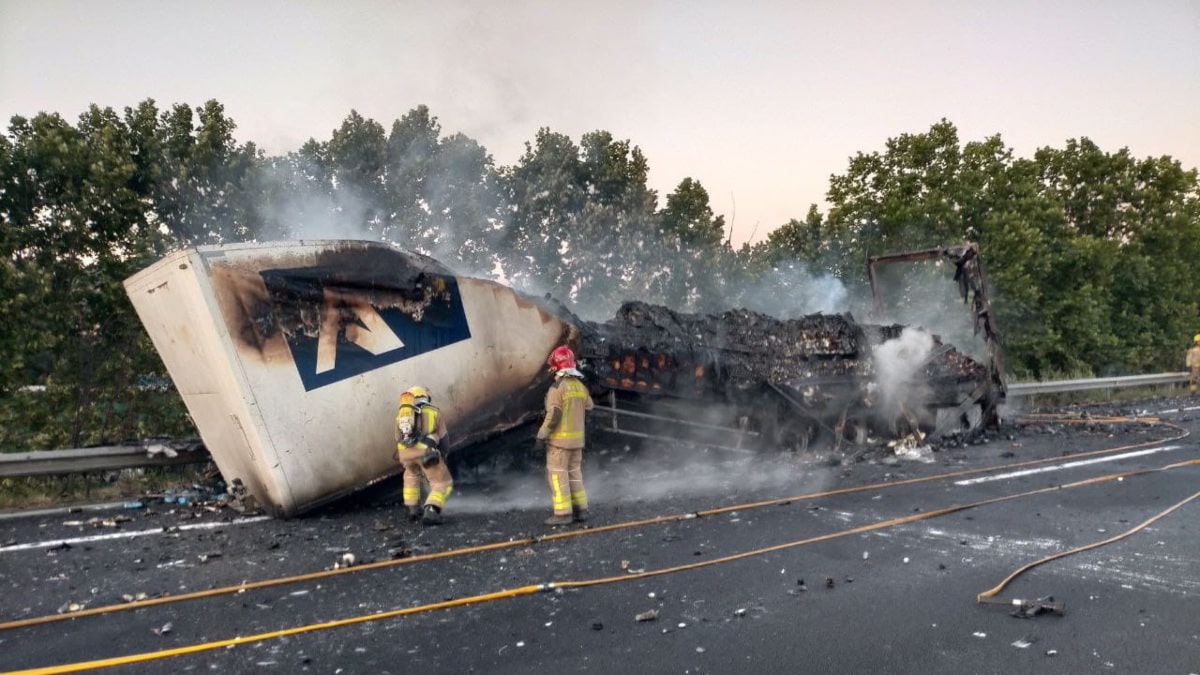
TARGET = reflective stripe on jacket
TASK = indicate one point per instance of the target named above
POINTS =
(571, 398)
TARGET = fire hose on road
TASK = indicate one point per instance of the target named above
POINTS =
(986, 597)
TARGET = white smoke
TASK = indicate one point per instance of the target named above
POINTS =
(790, 291)
(299, 209)
(898, 364)
(925, 294)
(659, 471)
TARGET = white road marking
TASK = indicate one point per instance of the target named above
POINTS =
(136, 533)
(1066, 465)
(983, 542)
(1175, 410)
(1150, 572)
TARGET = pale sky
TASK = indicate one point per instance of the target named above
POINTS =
(759, 101)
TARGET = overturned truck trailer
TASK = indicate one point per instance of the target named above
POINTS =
(290, 357)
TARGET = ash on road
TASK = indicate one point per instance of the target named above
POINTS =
(758, 563)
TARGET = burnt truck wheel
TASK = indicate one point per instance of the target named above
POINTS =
(854, 431)
(955, 420)
(797, 435)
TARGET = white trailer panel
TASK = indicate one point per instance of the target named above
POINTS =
(290, 357)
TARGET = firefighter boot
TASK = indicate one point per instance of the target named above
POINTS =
(580, 515)
(558, 520)
(432, 515)
(414, 513)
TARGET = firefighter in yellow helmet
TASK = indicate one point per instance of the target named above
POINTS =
(420, 434)
(562, 437)
(1193, 364)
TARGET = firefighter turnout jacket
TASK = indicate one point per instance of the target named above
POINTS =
(566, 402)
(420, 431)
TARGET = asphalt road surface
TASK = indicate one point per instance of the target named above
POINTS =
(747, 564)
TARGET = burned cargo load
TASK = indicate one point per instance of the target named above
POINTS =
(786, 382)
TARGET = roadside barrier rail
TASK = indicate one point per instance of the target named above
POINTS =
(1059, 386)
(104, 458)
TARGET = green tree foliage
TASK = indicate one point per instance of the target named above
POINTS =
(615, 229)
(788, 275)
(463, 198)
(297, 198)
(410, 187)
(544, 193)
(441, 193)
(411, 148)
(198, 193)
(357, 157)
(801, 241)
(580, 220)
(1131, 228)
(691, 238)
(908, 197)
(84, 207)
(1087, 252)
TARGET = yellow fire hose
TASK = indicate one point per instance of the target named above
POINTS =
(536, 588)
(989, 595)
(529, 541)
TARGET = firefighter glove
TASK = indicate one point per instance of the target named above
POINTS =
(431, 457)
(540, 445)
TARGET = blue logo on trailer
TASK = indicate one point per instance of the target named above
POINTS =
(335, 331)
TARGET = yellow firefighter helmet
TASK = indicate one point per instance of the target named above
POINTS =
(419, 394)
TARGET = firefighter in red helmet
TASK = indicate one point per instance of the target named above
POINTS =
(562, 437)
(420, 433)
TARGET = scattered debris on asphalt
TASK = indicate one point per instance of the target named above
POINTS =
(1025, 642)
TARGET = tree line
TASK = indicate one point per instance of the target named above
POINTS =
(1087, 252)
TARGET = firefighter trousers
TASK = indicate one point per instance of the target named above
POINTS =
(564, 472)
(437, 475)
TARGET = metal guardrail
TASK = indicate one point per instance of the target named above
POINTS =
(114, 458)
(105, 458)
(1059, 386)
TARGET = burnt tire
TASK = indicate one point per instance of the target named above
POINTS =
(797, 435)
(854, 431)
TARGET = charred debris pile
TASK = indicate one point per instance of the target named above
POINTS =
(793, 380)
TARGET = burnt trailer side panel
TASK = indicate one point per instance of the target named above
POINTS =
(290, 357)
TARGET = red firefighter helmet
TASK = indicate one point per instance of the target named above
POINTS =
(562, 358)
